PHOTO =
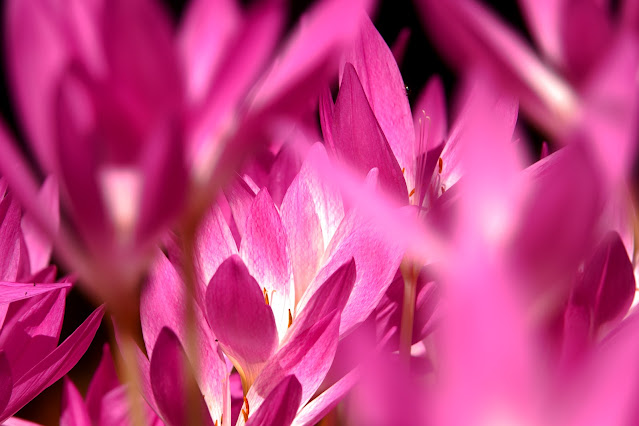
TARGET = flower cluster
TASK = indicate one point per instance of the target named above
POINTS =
(276, 236)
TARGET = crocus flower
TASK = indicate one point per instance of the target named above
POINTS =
(130, 114)
(32, 310)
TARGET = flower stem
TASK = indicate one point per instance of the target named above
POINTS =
(188, 239)
(409, 274)
(127, 325)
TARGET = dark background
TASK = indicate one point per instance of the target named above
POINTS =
(420, 62)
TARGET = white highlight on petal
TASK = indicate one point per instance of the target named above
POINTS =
(122, 191)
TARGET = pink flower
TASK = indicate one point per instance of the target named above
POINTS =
(135, 118)
(579, 93)
(32, 310)
(277, 304)
(106, 401)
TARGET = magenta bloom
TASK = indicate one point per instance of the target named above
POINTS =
(584, 89)
(275, 306)
(131, 115)
(106, 402)
(32, 310)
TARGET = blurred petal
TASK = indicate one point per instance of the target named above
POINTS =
(310, 56)
(205, 31)
(607, 286)
(74, 411)
(105, 379)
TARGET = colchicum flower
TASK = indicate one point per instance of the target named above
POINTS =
(32, 308)
(136, 118)
(276, 305)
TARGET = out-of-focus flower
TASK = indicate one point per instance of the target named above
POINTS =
(589, 91)
(32, 310)
(130, 114)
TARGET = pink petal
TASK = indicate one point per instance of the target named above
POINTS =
(205, 32)
(76, 117)
(142, 61)
(18, 175)
(10, 291)
(6, 384)
(214, 243)
(165, 183)
(325, 195)
(586, 31)
(385, 90)
(322, 404)
(326, 111)
(240, 198)
(607, 286)
(609, 122)
(310, 56)
(399, 45)
(105, 379)
(33, 332)
(332, 295)
(543, 19)
(14, 261)
(470, 34)
(36, 54)
(115, 410)
(286, 166)
(359, 139)
(308, 357)
(605, 383)
(559, 213)
(430, 117)
(241, 320)
(53, 366)
(38, 244)
(304, 233)
(241, 63)
(14, 421)
(377, 261)
(74, 411)
(163, 302)
(280, 406)
(169, 384)
(265, 250)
